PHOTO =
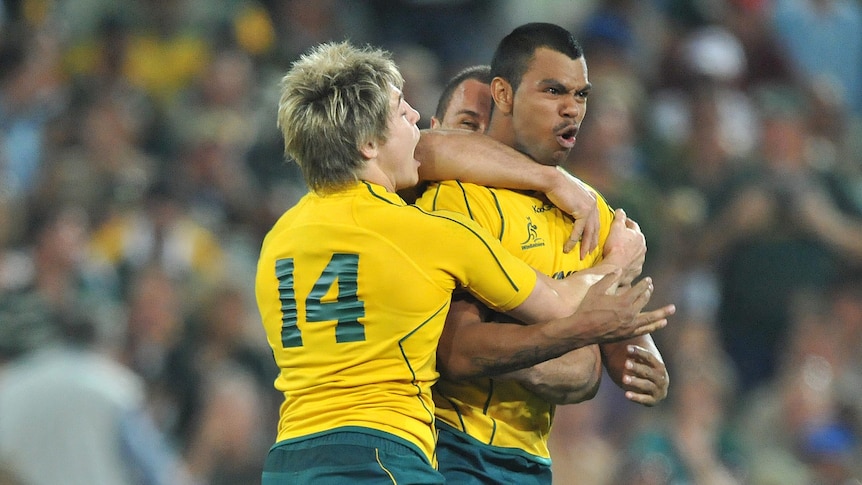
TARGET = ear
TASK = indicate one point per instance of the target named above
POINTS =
(369, 150)
(502, 93)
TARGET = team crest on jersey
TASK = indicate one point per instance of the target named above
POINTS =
(533, 240)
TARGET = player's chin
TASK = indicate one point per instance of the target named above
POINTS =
(409, 181)
(561, 155)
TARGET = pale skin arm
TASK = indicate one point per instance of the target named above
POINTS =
(480, 159)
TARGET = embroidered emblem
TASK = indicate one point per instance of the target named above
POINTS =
(533, 240)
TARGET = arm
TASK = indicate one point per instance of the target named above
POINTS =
(569, 379)
(471, 347)
(625, 248)
(477, 158)
(635, 365)
(575, 377)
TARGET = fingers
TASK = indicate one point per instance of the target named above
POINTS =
(577, 235)
(649, 322)
(645, 380)
(641, 292)
(639, 354)
(590, 236)
(607, 281)
(643, 398)
(585, 230)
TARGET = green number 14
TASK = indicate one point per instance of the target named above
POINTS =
(346, 309)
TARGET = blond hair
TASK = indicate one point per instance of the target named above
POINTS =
(334, 99)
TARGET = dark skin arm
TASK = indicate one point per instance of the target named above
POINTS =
(569, 379)
(576, 376)
(466, 351)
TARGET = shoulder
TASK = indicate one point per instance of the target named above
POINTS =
(455, 195)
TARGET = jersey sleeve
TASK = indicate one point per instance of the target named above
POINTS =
(477, 202)
(480, 264)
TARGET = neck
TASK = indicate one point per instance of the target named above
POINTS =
(500, 128)
(372, 172)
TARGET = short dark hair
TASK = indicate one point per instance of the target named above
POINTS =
(481, 73)
(515, 51)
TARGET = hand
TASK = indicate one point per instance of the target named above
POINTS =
(573, 197)
(645, 379)
(625, 247)
(618, 315)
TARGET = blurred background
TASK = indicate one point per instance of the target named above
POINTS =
(140, 167)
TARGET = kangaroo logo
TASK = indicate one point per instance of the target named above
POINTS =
(533, 240)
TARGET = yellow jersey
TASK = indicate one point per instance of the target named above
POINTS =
(353, 290)
(503, 413)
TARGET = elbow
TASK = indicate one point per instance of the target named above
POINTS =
(586, 387)
(456, 368)
(588, 391)
(579, 381)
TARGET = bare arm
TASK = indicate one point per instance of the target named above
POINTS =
(477, 158)
(569, 379)
(575, 376)
(471, 347)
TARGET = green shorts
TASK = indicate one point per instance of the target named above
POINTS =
(352, 456)
(464, 460)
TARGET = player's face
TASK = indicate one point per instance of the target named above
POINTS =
(550, 105)
(469, 108)
(396, 155)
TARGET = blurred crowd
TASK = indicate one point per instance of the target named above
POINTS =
(140, 167)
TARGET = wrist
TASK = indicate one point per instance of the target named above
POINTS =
(614, 259)
(548, 178)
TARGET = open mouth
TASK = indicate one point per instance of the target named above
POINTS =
(566, 138)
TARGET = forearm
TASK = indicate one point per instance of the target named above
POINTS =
(480, 159)
(560, 298)
(470, 347)
(488, 349)
(569, 379)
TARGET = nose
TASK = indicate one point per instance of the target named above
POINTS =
(412, 114)
(570, 107)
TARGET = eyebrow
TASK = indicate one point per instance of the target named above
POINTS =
(557, 84)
